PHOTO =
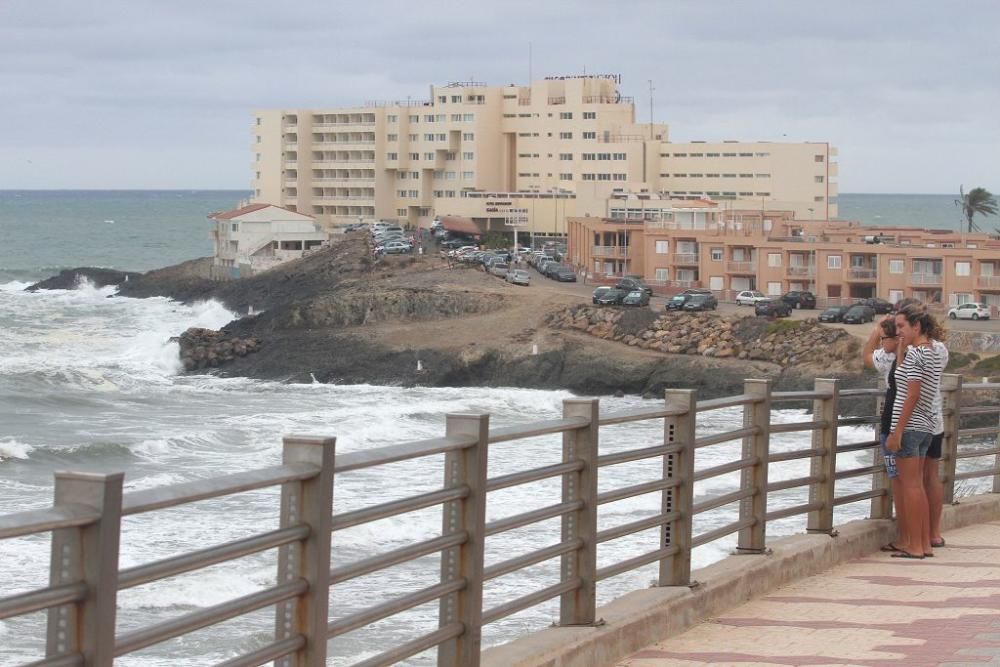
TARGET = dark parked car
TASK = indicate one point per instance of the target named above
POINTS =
(797, 299)
(634, 284)
(880, 306)
(677, 301)
(608, 296)
(833, 314)
(701, 302)
(859, 314)
(564, 274)
(636, 298)
(772, 308)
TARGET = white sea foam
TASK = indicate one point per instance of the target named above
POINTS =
(12, 449)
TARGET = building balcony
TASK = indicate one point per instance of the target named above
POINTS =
(333, 127)
(926, 279)
(988, 282)
(291, 164)
(686, 258)
(292, 184)
(351, 181)
(801, 271)
(741, 267)
(862, 275)
(610, 251)
(290, 146)
(329, 198)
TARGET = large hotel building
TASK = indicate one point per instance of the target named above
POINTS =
(529, 156)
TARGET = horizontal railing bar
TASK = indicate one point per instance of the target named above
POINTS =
(713, 535)
(632, 563)
(69, 660)
(794, 483)
(636, 490)
(862, 391)
(855, 497)
(609, 534)
(395, 453)
(418, 645)
(972, 474)
(858, 472)
(726, 436)
(977, 452)
(794, 511)
(725, 468)
(637, 454)
(778, 457)
(719, 501)
(807, 395)
(535, 429)
(857, 446)
(638, 415)
(725, 402)
(42, 598)
(534, 516)
(985, 430)
(396, 556)
(531, 558)
(978, 410)
(534, 475)
(980, 385)
(859, 421)
(138, 502)
(390, 607)
(530, 600)
(169, 567)
(266, 654)
(41, 520)
(164, 630)
(395, 507)
(792, 427)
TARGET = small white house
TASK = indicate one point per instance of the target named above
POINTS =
(258, 237)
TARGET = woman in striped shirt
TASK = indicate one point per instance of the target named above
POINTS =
(918, 379)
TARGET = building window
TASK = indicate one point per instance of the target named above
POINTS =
(818, 179)
(442, 137)
(661, 275)
(565, 115)
(716, 254)
(391, 118)
(963, 268)
(662, 248)
(392, 137)
(589, 156)
(449, 175)
(468, 117)
(895, 266)
(820, 158)
(818, 199)
(604, 156)
(774, 259)
(604, 177)
(414, 118)
(565, 177)
(833, 261)
(590, 135)
(414, 194)
(468, 136)
(415, 175)
(468, 175)
(589, 115)
(392, 156)
(565, 135)
(565, 156)
(618, 156)
(589, 177)
(468, 155)
(428, 156)
(618, 177)
(774, 289)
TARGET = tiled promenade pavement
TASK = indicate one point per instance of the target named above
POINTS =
(941, 611)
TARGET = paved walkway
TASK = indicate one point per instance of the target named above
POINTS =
(941, 611)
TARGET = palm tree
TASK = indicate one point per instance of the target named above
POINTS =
(978, 200)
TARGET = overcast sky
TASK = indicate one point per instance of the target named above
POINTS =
(138, 94)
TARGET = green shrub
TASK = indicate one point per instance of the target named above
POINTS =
(990, 364)
(957, 360)
(781, 326)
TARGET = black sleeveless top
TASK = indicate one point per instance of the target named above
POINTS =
(890, 399)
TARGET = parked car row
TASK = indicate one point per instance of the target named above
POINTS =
(551, 268)
(614, 296)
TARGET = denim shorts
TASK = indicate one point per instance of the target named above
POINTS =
(889, 458)
(914, 444)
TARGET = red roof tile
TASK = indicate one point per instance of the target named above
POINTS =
(229, 215)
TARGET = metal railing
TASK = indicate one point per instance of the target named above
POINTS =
(85, 522)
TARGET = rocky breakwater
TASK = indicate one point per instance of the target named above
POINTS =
(204, 348)
(783, 342)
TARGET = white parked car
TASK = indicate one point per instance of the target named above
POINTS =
(750, 298)
(519, 277)
(970, 311)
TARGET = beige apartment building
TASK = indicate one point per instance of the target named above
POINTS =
(556, 148)
(702, 244)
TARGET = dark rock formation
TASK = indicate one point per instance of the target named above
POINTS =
(72, 278)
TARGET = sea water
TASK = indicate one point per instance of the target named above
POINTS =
(90, 381)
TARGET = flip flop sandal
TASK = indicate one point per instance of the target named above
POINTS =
(906, 554)
(890, 548)
(938, 545)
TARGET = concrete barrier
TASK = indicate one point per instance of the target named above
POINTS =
(640, 618)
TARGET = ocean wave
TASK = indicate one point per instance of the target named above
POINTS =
(12, 449)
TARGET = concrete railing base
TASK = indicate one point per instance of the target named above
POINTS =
(643, 617)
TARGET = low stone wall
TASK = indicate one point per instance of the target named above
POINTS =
(643, 617)
(785, 342)
(981, 342)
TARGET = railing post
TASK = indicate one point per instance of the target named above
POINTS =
(824, 465)
(87, 554)
(675, 570)
(465, 467)
(881, 506)
(951, 395)
(579, 607)
(310, 502)
(752, 539)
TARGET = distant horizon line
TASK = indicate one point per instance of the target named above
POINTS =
(909, 194)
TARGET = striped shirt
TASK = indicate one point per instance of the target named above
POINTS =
(923, 364)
